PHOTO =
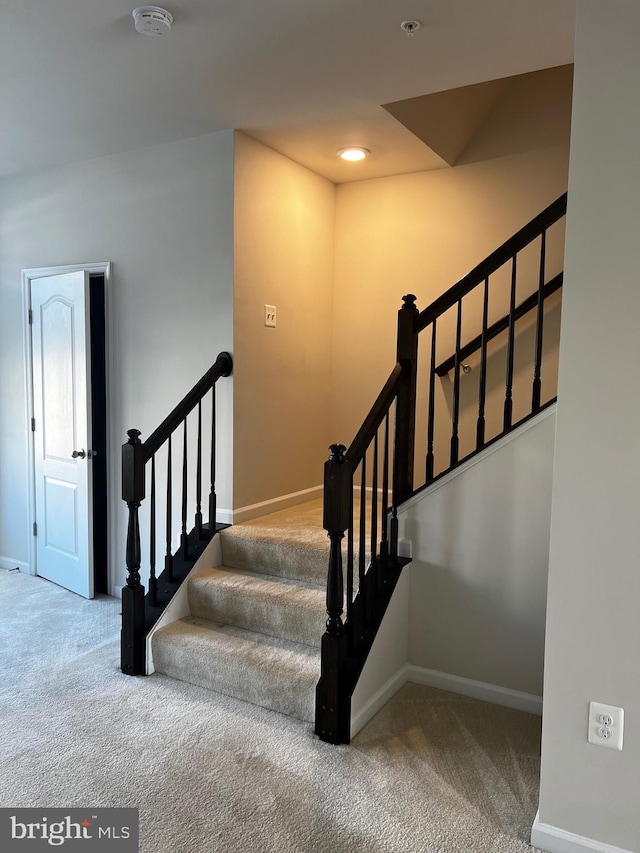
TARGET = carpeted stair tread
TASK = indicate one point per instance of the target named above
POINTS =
(271, 672)
(290, 543)
(275, 606)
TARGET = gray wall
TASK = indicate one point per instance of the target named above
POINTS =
(593, 626)
(164, 217)
(480, 556)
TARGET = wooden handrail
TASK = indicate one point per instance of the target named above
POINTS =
(221, 367)
(500, 325)
(493, 262)
(376, 415)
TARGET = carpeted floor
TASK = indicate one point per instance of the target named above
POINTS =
(431, 773)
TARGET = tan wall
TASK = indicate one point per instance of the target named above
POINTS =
(420, 233)
(284, 235)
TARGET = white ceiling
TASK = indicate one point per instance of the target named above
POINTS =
(304, 76)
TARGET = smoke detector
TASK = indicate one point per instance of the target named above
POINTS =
(410, 27)
(152, 20)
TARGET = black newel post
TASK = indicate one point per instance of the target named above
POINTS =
(406, 403)
(133, 623)
(333, 703)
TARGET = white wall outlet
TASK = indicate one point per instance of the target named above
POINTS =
(606, 725)
(405, 548)
(270, 316)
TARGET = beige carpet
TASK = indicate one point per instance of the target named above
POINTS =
(432, 773)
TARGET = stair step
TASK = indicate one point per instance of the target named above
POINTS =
(275, 606)
(290, 544)
(267, 671)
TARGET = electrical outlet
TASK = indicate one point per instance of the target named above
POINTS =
(606, 725)
(270, 316)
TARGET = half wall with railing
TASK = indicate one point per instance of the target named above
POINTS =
(422, 426)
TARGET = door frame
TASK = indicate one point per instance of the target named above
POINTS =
(28, 275)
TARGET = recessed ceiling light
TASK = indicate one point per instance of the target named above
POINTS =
(152, 20)
(353, 153)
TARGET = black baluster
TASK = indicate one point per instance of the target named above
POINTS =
(455, 412)
(374, 515)
(393, 537)
(212, 493)
(407, 356)
(482, 391)
(332, 695)
(335, 591)
(362, 556)
(432, 405)
(537, 372)
(168, 557)
(132, 638)
(384, 543)
(336, 522)
(508, 397)
(184, 538)
(198, 519)
(153, 581)
(350, 563)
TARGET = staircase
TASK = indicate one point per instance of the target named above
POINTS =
(256, 621)
(289, 618)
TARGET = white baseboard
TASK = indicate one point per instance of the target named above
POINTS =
(475, 689)
(378, 700)
(556, 840)
(224, 516)
(443, 681)
(8, 563)
(246, 513)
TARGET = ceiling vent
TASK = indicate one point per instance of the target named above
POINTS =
(152, 20)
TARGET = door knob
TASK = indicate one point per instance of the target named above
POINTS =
(78, 454)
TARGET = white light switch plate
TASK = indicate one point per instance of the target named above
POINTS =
(270, 316)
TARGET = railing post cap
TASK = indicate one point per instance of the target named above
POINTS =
(337, 452)
(409, 300)
(134, 436)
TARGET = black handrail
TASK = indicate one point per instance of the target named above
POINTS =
(135, 456)
(374, 419)
(222, 367)
(493, 262)
(500, 325)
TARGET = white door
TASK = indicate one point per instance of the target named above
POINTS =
(62, 436)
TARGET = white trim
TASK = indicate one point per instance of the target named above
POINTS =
(224, 516)
(246, 513)
(454, 684)
(9, 564)
(378, 700)
(479, 457)
(475, 689)
(557, 840)
(29, 275)
(27, 361)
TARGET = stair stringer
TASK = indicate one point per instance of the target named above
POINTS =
(178, 607)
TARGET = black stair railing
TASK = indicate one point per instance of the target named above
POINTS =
(140, 609)
(357, 501)
(506, 260)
